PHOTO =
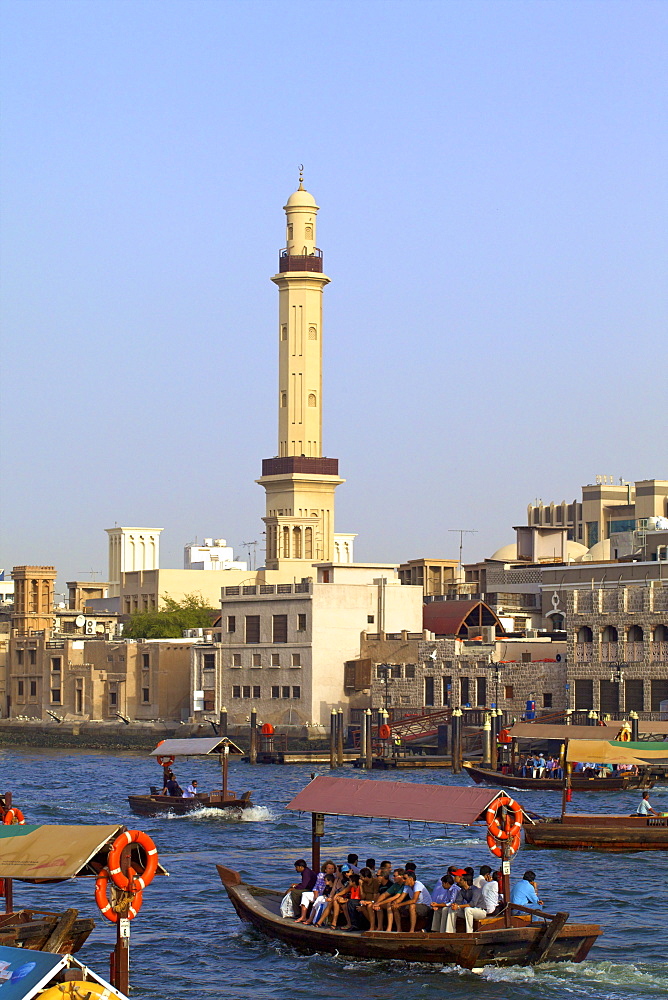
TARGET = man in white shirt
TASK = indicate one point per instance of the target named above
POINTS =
(416, 897)
(191, 790)
(645, 809)
(480, 879)
(484, 902)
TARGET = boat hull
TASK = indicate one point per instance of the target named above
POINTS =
(45, 931)
(483, 776)
(600, 833)
(520, 944)
(155, 805)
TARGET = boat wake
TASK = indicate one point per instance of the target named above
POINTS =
(628, 979)
(254, 814)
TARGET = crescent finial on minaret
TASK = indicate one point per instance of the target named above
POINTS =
(301, 177)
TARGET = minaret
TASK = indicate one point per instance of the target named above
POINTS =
(299, 482)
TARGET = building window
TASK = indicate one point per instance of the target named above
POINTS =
(370, 619)
(280, 628)
(55, 696)
(231, 623)
(311, 399)
(19, 688)
(32, 656)
(275, 659)
(145, 660)
(464, 690)
(256, 691)
(253, 629)
(447, 688)
(296, 691)
(481, 690)
(19, 657)
(55, 664)
(78, 696)
(145, 696)
(246, 691)
(301, 623)
(285, 691)
(584, 693)
(547, 699)
(296, 660)
(429, 699)
(284, 399)
(508, 692)
(410, 671)
(395, 671)
(33, 689)
(113, 697)
(659, 693)
(236, 691)
(236, 659)
(526, 657)
(284, 328)
(256, 660)
(312, 333)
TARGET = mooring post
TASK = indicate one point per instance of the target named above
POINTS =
(442, 741)
(332, 738)
(494, 740)
(368, 718)
(457, 740)
(633, 716)
(339, 738)
(222, 728)
(252, 756)
(363, 740)
(487, 742)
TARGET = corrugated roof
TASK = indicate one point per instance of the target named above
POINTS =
(394, 800)
(195, 747)
(449, 617)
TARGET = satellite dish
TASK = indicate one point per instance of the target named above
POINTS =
(79, 621)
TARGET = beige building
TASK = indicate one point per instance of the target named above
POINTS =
(606, 507)
(437, 577)
(131, 550)
(283, 647)
(97, 679)
(34, 597)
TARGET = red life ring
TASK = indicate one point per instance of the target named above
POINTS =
(103, 904)
(165, 761)
(496, 848)
(133, 882)
(384, 731)
(14, 817)
(505, 737)
(511, 827)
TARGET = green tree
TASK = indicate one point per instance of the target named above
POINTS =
(170, 620)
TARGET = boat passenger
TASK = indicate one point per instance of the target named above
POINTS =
(371, 863)
(172, 786)
(415, 898)
(644, 807)
(385, 869)
(385, 898)
(191, 791)
(525, 892)
(410, 866)
(352, 891)
(307, 883)
(329, 868)
(484, 901)
(465, 883)
(322, 900)
(363, 907)
(352, 860)
(480, 879)
(442, 907)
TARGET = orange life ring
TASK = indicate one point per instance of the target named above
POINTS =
(165, 761)
(103, 904)
(497, 849)
(13, 817)
(267, 729)
(133, 882)
(504, 736)
(511, 827)
(384, 731)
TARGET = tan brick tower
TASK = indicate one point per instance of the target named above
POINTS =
(299, 481)
(34, 588)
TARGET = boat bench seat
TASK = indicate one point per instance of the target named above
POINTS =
(488, 923)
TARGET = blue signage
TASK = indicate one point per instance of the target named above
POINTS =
(23, 972)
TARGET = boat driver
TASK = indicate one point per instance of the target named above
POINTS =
(644, 807)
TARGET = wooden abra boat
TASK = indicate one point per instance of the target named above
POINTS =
(41, 930)
(579, 831)
(518, 936)
(614, 783)
(166, 752)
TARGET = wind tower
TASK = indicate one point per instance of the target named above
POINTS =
(299, 482)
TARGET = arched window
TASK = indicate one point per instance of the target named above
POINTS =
(284, 399)
(311, 399)
(296, 543)
(585, 634)
(635, 634)
(661, 633)
(286, 543)
(609, 634)
(308, 543)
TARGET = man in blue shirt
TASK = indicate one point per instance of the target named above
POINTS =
(524, 892)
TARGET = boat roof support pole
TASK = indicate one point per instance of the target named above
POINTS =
(317, 831)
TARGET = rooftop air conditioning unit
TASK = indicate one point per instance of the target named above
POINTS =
(531, 633)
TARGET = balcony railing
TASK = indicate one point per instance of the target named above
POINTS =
(584, 652)
(300, 262)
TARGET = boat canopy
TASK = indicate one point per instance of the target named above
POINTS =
(394, 800)
(55, 853)
(544, 731)
(618, 752)
(196, 747)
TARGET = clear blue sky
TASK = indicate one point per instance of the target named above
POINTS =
(492, 183)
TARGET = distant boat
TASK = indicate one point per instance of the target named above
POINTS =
(624, 781)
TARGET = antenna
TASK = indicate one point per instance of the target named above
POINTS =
(461, 532)
(249, 546)
(93, 573)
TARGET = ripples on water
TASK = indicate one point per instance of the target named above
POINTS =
(188, 943)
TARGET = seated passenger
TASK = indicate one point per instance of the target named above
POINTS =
(308, 880)
(352, 891)
(484, 901)
(329, 868)
(442, 901)
(353, 860)
(415, 898)
(191, 791)
(386, 898)
(525, 892)
(363, 907)
(321, 900)
(465, 883)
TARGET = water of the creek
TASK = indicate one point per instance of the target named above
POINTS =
(188, 944)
